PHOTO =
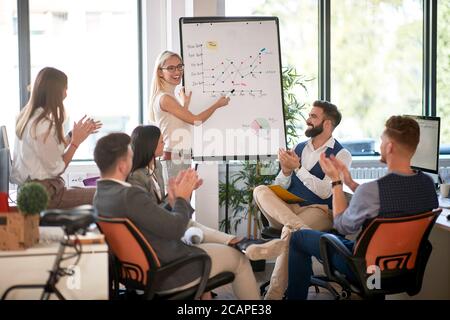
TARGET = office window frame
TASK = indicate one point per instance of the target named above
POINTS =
(23, 25)
(429, 55)
(429, 36)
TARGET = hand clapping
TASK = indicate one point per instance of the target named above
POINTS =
(329, 168)
(83, 128)
(183, 185)
(289, 161)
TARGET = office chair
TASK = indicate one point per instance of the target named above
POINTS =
(398, 247)
(268, 232)
(72, 221)
(136, 265)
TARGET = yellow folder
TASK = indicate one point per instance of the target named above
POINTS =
(285, 195)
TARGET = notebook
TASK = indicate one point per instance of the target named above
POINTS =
(285, 195)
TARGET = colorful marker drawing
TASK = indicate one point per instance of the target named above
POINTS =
(241, 73)
(260, 126)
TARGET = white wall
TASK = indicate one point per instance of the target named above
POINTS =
(208, 7)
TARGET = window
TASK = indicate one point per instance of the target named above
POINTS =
(298, 37)
(376, 64)
(376, 58)
(9, 67)
(443, 73)
(95, 42)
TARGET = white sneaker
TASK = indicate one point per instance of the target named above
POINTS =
(268, 250)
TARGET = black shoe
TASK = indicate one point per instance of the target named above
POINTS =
(246, 242)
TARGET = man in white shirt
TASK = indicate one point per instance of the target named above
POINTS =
(302, 175)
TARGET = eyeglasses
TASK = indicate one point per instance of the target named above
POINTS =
(171, 69)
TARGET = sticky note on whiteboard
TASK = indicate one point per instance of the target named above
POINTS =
(212, 45)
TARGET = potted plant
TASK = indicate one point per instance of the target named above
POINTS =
(254, 173)
(20, 230)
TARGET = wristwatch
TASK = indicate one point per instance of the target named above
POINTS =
(336, 183)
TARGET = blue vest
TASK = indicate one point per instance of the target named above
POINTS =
(406, 195)
(402, 196)
(298, 188)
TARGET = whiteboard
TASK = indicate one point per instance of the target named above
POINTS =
(222, 54)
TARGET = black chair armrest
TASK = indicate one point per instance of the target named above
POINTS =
(165, 271)
(328, 241)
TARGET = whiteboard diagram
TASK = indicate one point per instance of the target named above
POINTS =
(238, 58)
(220, 76)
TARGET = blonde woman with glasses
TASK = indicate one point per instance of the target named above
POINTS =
(173, 116)
(42, 152)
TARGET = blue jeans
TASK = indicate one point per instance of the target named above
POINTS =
(304, 244)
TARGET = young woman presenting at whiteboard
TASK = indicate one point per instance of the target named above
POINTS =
(172, 116)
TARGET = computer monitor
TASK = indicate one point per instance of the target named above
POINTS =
(5, 161)
(4, 144)
(426, 157)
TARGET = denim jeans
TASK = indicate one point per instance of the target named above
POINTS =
(304, 244)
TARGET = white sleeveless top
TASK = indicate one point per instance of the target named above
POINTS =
(176, 133)
(39, 154)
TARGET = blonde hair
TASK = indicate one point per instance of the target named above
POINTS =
(158, 82)
(47, 94)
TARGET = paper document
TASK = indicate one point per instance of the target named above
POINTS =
(285, 195)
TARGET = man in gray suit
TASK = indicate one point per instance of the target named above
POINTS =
(163, 228)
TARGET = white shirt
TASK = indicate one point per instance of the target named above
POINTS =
(124, 183)
(38, 155)
(309, 158)
(176, 133)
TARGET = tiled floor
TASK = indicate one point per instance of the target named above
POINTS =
(226, 292)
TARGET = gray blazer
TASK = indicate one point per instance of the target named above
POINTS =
(162, 228)
(141, 178)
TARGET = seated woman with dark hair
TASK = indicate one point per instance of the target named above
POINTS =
(147, 144)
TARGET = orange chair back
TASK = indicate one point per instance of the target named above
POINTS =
(131, 248)
(394, 243)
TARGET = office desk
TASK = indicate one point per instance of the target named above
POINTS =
(31, 266)
(442, 221)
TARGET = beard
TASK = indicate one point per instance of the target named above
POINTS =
(314, 131)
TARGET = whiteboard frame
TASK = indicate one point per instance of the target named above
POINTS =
(190, 20)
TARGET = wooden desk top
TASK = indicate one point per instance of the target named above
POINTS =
(442, 221)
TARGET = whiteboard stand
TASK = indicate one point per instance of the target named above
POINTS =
(227, 178)
(207, 196)
(240, 57)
